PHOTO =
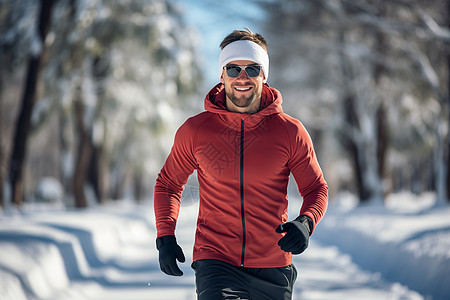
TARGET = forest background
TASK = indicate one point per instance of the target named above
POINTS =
(92, 91)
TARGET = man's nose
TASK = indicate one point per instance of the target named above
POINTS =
(243, 75)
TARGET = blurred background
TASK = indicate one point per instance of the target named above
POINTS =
(91, 91)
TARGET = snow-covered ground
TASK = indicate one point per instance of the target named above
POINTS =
(401, 251)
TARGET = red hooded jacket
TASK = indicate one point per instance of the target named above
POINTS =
(243, 162)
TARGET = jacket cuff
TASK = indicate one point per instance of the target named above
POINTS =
(307, 221)
(164, 240)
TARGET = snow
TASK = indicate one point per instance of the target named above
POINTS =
(397, 251)
(49, 189)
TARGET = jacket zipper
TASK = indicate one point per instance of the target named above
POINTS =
(242, 192)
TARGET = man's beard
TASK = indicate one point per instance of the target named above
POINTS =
(242, 100)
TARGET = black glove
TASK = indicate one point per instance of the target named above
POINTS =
(169, 252)
(297, 235)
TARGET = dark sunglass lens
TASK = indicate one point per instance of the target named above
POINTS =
(253, 71)
(233, 71)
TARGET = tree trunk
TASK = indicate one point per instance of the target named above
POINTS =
(23, 123)
(381, 114)
(383, 139)
(96, 172)
(352, 148)
(100, 67)
(448, 109)
(65, 170)
(64, 150)
(83, 156)
(138, 184)
(448, 133)
(351, 144)
(2, 201)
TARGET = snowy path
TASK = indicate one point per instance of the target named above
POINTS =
(324, 273)
(327, 274)
(108, 253)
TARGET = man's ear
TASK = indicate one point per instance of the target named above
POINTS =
(221, 78)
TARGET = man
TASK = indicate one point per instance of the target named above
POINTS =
(244, 148)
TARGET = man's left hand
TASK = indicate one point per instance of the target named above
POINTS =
(297, 234)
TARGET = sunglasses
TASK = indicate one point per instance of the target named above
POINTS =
(234, 71)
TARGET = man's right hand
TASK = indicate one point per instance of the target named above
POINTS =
(169, 252)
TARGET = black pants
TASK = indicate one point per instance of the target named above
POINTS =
(218, 280)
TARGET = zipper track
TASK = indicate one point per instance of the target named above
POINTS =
(242, 192)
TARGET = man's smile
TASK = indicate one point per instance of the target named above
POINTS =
(243, 88)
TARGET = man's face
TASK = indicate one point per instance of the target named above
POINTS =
(243, 91)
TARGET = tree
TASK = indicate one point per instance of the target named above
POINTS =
(448, 107)
(12, 37)
(84, 154)
(28, 99)
(117, 75)
(366, 60)
(121, 46)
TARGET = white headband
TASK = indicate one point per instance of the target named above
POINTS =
(244, 50)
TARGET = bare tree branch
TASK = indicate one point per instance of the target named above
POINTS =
(429, 29)
(438, 31)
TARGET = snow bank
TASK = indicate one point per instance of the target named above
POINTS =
(408, 241)
(10, 286)
(325, 273)
(44, 253)
(39, 266)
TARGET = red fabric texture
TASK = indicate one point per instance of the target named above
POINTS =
(237, 226)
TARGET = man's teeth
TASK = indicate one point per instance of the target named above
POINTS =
(242, 89)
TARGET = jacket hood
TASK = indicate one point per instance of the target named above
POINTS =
(270, 104)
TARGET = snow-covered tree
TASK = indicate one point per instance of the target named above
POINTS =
(348, 68)
(41, 25)
(115, 82)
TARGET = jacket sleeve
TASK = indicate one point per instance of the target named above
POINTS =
(179, 165)
(308, 175)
